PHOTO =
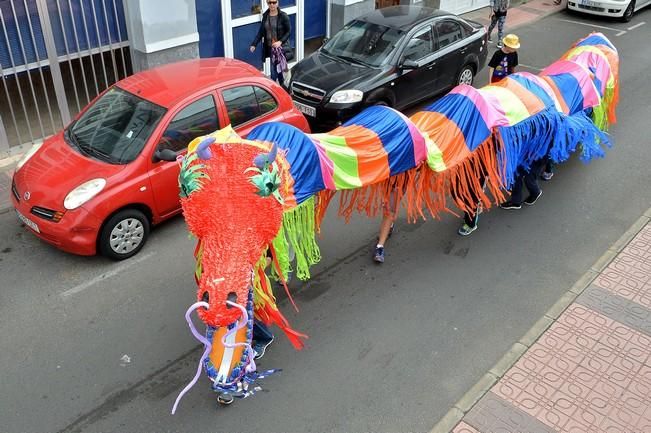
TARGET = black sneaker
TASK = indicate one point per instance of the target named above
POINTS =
(510, 205)
(379, 255)
(547, 175)
(260, 348)
(225, 399)
(531, 200)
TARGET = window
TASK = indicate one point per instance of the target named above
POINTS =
(116, 127)
(266, 102)
(420, 45)
(362, 42)
(198, 118)
(448, 33)
(245, 103)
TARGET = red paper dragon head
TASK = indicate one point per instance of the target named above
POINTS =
(232, 204)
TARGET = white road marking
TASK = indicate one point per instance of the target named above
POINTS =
(529, 67)
(636, 26)
(120, 268)
(620, 32)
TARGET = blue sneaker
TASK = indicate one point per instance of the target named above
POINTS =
(379, 255)
(259, 348)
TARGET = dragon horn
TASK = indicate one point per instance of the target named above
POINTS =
(266, 158)
(203, 150)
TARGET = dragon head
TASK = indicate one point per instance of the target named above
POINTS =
(231, 203)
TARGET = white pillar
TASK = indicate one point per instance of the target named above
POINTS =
(161, 31)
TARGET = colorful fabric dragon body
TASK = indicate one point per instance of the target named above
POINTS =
(243, 198)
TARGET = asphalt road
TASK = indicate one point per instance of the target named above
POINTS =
(95, 346)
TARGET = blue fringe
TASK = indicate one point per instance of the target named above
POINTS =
(527, 141)
(578, 130)
(549, 133)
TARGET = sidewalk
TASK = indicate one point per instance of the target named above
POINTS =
(585, 366)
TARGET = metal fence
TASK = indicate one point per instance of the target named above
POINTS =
(55, 57)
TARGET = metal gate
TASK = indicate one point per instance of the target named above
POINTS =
(55, 57)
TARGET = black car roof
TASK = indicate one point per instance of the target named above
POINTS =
(402, 17)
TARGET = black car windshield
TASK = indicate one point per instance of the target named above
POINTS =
(116, 127)
(363, 42)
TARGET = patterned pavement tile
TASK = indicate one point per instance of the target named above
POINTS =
(640, 245)
(618, 308)
(629, 274)
(462, 427)
(494, 415)
(587, 373)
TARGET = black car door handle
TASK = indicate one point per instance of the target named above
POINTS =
(431, 65)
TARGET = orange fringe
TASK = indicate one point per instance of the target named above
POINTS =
(424, 190)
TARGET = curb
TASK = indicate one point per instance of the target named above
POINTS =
(463, 406)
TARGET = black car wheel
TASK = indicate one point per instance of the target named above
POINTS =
(124, 234)
(628, 13)
(466, 76)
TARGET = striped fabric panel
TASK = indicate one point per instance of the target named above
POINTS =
(300, 153)
(465, 116)
(538, 87)
(397, 136)
(572, 78)
(372, 160)
(345, 171)
(596, 62)
(446, 136)
(531, 101)
(596, 39)
(515, 109)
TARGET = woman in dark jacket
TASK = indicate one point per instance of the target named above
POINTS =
(274, 32)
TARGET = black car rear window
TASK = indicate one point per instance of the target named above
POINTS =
(363, 42)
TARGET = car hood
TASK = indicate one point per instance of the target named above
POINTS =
(328, 73)
(55, 170)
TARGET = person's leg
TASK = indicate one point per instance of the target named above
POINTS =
(470, 219)
(274, 71)
(386, 226)
(516, 192)
(262, 338)
(385, 231)
(500, 29)
(531, 181)
(492, 26)
(548, 171)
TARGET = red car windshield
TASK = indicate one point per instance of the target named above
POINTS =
(116, 127)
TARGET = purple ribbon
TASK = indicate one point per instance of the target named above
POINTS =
(204, 340)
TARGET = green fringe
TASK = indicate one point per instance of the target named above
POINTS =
(281, 248)
(298, 232)
(600, 113)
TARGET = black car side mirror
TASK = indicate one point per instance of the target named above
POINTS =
(408, 64)
(164, 155)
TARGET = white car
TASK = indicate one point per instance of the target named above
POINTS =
(622, 9)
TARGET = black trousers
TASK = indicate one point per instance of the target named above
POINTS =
(528, 178)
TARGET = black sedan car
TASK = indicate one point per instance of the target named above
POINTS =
(396, 56)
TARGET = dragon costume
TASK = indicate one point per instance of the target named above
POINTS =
(244, 197)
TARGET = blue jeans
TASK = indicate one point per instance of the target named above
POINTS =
(500, 26)
(277, 76)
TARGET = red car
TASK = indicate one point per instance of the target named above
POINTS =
(98, 185)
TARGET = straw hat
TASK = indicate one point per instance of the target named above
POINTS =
(511, 41)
